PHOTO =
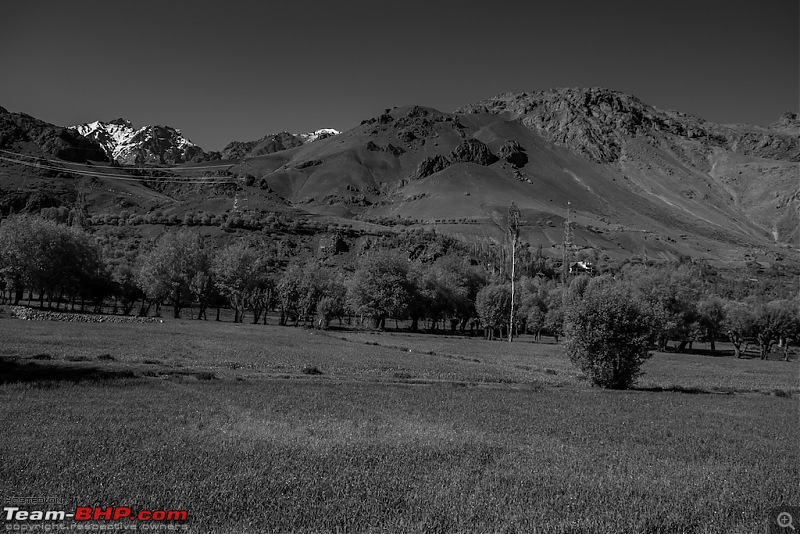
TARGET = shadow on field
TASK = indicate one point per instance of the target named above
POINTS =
(680, 389)
(14, 371)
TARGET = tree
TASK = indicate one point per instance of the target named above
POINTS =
(608, 334)
(554, 321)
(16, 255)
(51, 258)
(380, 287)
(493, 304)
(289, 290)
(791, 328)
(264, 295)
(673, 294)
(203, 286)
(711, 316)
(167, 270)
(235, 271)
(514, 221)
(739, 324)
(772, 322)
(329, 307)
(459, 285)
(535, 321)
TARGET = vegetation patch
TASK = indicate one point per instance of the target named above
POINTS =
(310, 370)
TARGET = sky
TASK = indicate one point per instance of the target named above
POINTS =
(235, 70)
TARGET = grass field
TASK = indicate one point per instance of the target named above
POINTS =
(397, 432)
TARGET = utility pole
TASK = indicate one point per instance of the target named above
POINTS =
(514, 221)
(567, 247)
(78, 216)
(241, 184)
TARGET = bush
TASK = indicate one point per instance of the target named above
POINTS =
(608, 333)
(310, 370)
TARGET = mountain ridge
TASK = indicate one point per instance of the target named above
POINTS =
(593, 120)
(639, 180)
(128, 145)
(159, 145)
(272, 143)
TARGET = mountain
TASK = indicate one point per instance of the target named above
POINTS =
(599, 122)
(684, 161)
(638, 180)
(159, 145)
(23, 130)
(273, 143)
(128, 145)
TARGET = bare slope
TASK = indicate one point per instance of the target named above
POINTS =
(638, 179)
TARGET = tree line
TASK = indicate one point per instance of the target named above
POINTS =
(450, 288)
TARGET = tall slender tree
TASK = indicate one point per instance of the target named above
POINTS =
(514, 222)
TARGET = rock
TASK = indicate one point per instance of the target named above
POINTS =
(473, 151)
(30, 314)
(309, 163)
(788, 123)
(513, 153)
(406, 136)
(431, 165)
(395, 151)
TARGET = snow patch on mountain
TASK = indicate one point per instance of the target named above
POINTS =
(319, 134)
(127, 144)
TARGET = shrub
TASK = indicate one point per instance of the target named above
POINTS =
(608, 333)
(310, 370)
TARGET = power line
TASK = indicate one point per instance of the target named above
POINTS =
(126, 167)
(211, 180)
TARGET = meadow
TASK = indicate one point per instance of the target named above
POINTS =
(285, 429)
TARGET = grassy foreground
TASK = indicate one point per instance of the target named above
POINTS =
(400, 433)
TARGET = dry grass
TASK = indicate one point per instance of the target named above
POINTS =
(221, 420)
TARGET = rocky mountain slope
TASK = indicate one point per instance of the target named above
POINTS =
(21, 130)
(127, 145)
(683, 160)
(637, 178)
(272, 143)
(598, 122)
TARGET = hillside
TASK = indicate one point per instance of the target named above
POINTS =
(639, 181)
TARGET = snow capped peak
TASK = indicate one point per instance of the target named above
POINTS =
(318, 134)
(126, 144)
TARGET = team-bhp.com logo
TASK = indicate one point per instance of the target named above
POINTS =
(86, 514)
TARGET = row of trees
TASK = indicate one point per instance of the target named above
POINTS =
(60, 264)
(56, 261)
(66, 265)
(683, 313)
(612, 326)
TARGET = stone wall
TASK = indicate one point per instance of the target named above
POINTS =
(31, 314)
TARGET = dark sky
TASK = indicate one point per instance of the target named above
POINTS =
(233, 70)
